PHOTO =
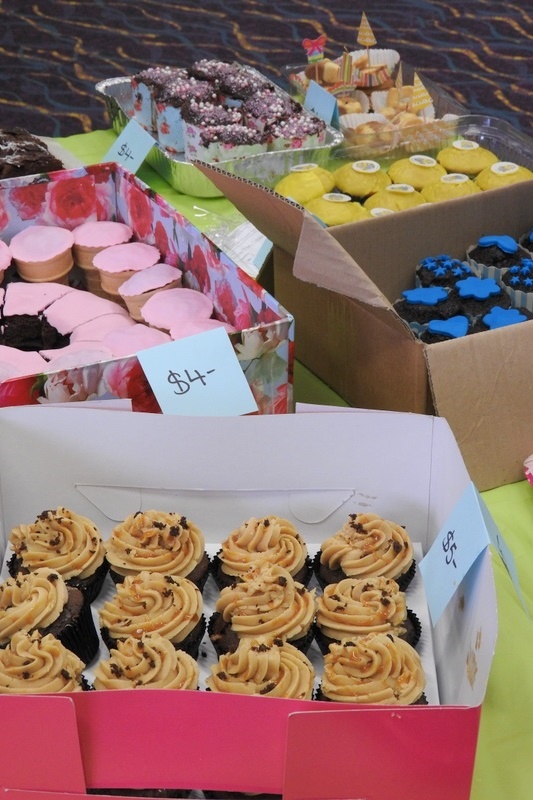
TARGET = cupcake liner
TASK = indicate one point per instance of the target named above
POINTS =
(337, 575)
(225, 640)
(76, 630)
(520, 299)
(191, 644)
(90, 586)
(198, 576)
(412, 635)
(222, 580)
(422, 700)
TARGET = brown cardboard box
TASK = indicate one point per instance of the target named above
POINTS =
(340, 283)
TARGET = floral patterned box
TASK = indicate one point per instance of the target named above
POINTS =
(264, 339)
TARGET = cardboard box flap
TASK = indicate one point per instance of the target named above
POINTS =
(278, 219)
(480, 421)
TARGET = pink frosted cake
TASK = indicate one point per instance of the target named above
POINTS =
(297, 131)
(223, 143)
(118, 263)
(168, 109)
(128, 341)
(189, 327)
(168, 308)
(15, 363)
(142, 285)
(91, 238)
(43, 253)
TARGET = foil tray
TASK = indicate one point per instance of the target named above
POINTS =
(262, 168)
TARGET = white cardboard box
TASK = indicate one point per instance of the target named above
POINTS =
(314, 468)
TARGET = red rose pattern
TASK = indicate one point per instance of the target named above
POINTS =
(71, 201)
(29, 200)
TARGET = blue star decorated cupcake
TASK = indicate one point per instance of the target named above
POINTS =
(518, 281)
(441, 270)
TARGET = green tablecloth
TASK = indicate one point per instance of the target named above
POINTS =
(505, 747)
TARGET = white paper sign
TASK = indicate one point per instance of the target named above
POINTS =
(199, 375)
(131, 147)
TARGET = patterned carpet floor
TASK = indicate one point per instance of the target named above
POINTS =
(53, 52)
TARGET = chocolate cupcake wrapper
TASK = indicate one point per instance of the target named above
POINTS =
(199, 575)
(191, 644)
(520, 299)
(80, 635)
(91, 586)
(403, 581)
(222, 580)
(225, 640)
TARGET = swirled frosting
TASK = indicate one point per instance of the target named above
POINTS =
(151, 662)
(36, 664)
(31, 601)
(355, 607)
(268, 601)
(378, 668)
(368, 545)
(150, 602)
(156, 541)
(265, 666)
(61, 540)
(269, 540)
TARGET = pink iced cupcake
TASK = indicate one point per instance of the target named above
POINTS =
(120, 261)
(128, 341)
(143, 285)
(169, 308)
(91, 238)
(43, 253)
(189, 327)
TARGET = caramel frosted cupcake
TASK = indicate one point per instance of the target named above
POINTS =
(36, 664)
(268, 601)
(152, 602)
(357, 607)
(148, 662)
(379, 668)
(366, 546)
(158, 541)
(265, 666)
(265, 540)
(42, 601)
(63, 541)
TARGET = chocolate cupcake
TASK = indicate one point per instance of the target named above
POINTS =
(158, 541)
(478, 296)
(264, 666)
(41, 601)
(418, 306)
(258, 541)
(148, 662)
(150, 602)
(65, 541)
(441, 270)
(501, 318)
(267, 601)
(492, 255)
(380, 669)
(357, 607)
(518, 283)
(35, 664)
(366, 546)
(442, 330)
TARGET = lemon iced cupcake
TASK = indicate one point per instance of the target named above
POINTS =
(260, 541)
(151, 602)
(366, 546)
(36, 664)
(64, 541)
(148, 662)
(157, 541)
(380, 669)
(360, 179)
(305, 182)
(265, 666)
(268, 601)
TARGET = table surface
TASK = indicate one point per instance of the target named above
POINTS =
(505, 745)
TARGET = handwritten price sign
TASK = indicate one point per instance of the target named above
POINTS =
(198, 376)
(131, 147)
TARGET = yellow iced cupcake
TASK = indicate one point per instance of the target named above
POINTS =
(305, 182)
(466, 157)
(360, 179)
(395, 197)
(418, 171)
(335, 208)
(502, 173)
(449, 187)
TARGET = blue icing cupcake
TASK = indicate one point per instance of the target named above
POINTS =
(441, 330)
(502, 317)
(495, 253)
(419, 306)
(478, 295)
(518, 280)
(441, 270)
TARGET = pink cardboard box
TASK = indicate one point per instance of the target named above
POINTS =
(301, 466)
(264, 340)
